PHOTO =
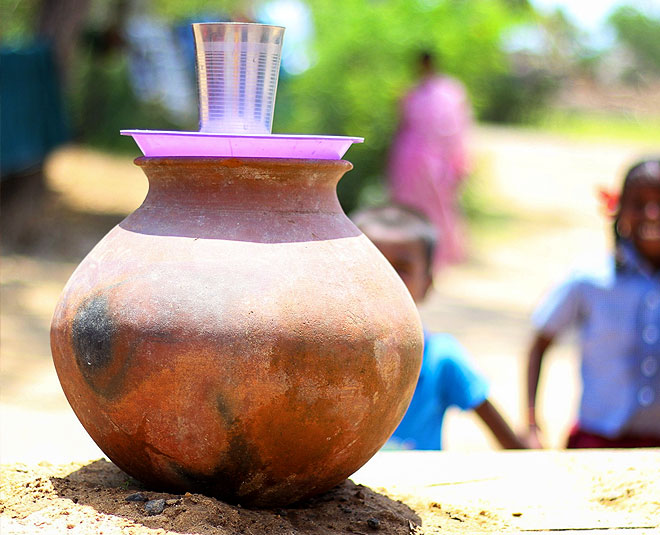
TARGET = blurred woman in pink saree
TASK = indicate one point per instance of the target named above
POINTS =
(428, 157)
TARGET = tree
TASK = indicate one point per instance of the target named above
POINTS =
(639, 32)
(32, 115)
(60, 22)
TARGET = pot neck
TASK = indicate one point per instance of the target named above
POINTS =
(245, 183)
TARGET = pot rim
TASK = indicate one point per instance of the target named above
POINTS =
(239, 161)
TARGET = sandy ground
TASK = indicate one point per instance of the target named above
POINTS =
(97, 498)
(544, 185)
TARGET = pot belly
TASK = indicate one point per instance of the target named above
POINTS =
(258, 372)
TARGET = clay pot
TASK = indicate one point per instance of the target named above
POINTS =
(237, 335)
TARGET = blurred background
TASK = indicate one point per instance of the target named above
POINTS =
(565, 96)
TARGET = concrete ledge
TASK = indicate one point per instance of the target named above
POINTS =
(537, 491)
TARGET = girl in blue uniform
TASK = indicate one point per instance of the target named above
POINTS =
(617, 312)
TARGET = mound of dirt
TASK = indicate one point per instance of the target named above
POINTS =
(99, 498)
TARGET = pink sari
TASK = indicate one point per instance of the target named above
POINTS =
(428, 159)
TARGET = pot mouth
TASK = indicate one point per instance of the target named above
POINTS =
(243, 162)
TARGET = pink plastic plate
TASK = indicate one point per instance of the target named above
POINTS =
(165, 143)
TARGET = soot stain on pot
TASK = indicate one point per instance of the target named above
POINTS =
(225, 411)
(93, 334)
(238, 465)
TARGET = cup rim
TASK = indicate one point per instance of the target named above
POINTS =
(237, 24)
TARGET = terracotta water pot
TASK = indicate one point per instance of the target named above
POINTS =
(237, 335)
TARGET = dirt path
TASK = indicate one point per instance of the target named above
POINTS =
(547, 183)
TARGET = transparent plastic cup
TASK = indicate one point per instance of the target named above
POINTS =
(238, 67)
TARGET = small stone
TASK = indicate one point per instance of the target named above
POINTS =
(373, 523)
(359, 494)
(136, 497)
(173, 501)
(154, 507)
(516, 514)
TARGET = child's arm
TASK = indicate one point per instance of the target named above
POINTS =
(536, 352)
(500, 428)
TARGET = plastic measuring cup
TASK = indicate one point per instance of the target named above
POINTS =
(237, 71)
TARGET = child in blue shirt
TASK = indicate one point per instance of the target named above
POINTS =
(446, 378)
(618, 314)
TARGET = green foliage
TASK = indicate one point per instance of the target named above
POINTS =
(518, 98)
(178, 10)
(102, 103)
(641, 33)
(602, 126)
(365, 55)
(17, 21)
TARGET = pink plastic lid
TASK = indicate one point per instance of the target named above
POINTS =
(172, 143)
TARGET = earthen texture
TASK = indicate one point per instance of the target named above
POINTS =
(237, 335)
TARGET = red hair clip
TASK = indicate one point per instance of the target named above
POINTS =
(609, 201)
